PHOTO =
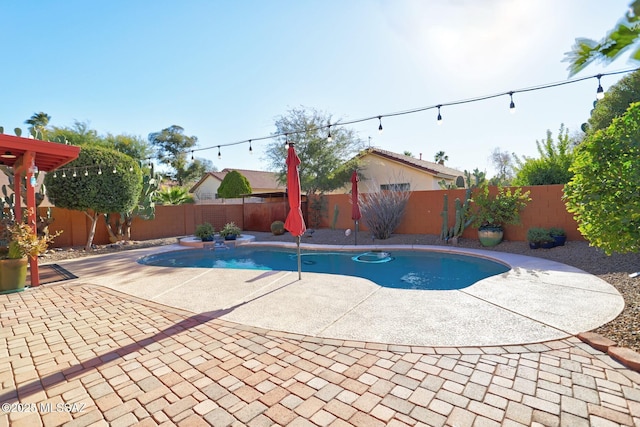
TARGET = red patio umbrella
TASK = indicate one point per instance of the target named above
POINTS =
(295, 221)
(355, 206)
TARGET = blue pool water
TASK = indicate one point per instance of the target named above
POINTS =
(393, 269)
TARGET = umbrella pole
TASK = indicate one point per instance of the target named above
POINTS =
(299, 263)
(356, 233)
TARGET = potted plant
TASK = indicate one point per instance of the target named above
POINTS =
(23, 244)
(205, 232)
(277, 228)
(492, 212)
(539, 237)
(559, 235)
(230, 231)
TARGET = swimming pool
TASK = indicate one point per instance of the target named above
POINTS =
(427, 270)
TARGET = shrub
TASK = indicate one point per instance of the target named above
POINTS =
(277, 228)
(205, 231)
(382, 211)
(539, 235)
(557, 231)
(229, 229)
(503, 208)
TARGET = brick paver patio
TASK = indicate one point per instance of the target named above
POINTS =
(80, 355)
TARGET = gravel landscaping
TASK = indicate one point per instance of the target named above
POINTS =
(614, 269)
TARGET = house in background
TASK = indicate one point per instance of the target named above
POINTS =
(386, 170)
(206, 190)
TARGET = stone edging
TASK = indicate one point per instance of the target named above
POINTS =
(626, 356)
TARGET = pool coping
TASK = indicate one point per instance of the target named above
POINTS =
(536, 301)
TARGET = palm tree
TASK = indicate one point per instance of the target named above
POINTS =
(440, 157)
(38, 122)
(174, 196)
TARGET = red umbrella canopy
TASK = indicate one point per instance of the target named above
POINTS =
(355, 207)
(295, 221)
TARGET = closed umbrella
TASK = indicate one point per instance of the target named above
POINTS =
(355, 206)
(295, 221)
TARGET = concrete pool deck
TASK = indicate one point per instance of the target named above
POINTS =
(536, 301)
(76, 353)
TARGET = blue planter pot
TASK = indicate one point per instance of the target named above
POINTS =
(559, 240)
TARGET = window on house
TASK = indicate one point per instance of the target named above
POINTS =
(405, 186)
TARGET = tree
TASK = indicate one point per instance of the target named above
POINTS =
(622, 37)
(552, 167)
(131, 145)
(38, 123)
(172, 146)
(78, 134)
(503, 162)
(96, 189)
(615, 103)
(440, 157)
(603, 193)
(325, 164)
(234, 185)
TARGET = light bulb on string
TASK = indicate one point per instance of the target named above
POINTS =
(380, 125)
(99, 170)
(114, 170)
(250, 148)
(439, 118)
(130, 168)
(74, 173)
(599, 91)
(219, 154)
(86, 172)
(55, 174)
(512, 105)
(64, 174)
(329, 138)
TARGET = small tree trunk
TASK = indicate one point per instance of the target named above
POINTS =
(126, 221)
(113, 237)
(92, 231)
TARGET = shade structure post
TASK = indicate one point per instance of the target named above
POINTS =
(295, 221)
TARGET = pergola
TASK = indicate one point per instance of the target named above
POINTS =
(27, 156)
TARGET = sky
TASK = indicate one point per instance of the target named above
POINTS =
(226, 70)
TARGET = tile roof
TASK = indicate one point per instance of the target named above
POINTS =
(424, 165)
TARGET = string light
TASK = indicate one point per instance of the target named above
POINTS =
(74, 173)
(380, 126)
(512, 105)
(130, 168)
(114, 170)
(86, 172)
(64, 175)
(599, 91)
(99, 170)
(329, 138)
(439, 118)
(219, 155)
(55, 174)
(250, 148)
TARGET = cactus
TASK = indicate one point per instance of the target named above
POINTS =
(444, 234)
(18, 131)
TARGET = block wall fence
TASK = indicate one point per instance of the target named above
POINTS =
(423, 216)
